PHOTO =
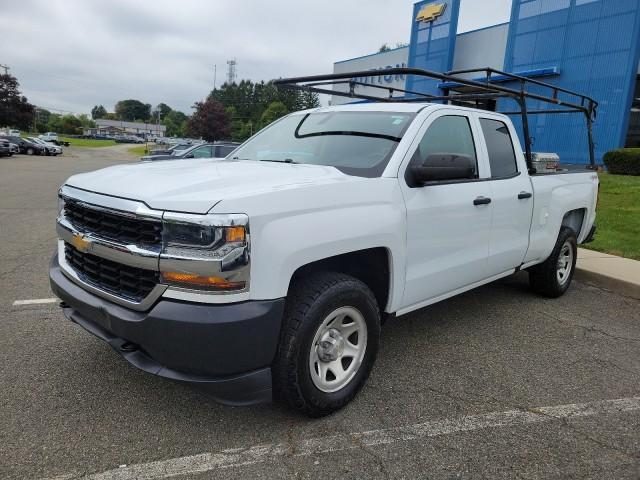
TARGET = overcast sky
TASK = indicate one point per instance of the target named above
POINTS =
(73, 54)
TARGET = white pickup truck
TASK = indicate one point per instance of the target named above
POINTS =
(270, 272)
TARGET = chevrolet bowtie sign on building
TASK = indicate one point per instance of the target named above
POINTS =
(429, 13)
(588, 45)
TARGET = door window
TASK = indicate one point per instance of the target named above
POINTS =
(449, 135)
(203, 152)
(502, 157)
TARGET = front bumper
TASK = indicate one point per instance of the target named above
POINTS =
(225, 349)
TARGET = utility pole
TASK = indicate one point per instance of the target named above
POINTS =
(6, 69)
(215, 73)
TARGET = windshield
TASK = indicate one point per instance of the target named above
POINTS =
(356, 143)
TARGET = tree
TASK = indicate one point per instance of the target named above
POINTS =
(42, 119)
(274, 111)
(209, 121)
(15, 109)
(131, 110)
(308, 100)
(247, 101)
(176, 123)
(65, 124)
(384, 48)
(98, 111)
(163, 109)
(85, 121)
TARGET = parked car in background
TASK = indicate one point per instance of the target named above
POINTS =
(25, 146)
(176, 149)
(14, 148)
(5, 148)
(205, 150)
(128, 139)
(50, 148)
(10, 132)
(49, 137)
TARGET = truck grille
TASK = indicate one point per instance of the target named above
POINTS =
(122, 280)
(111, 226)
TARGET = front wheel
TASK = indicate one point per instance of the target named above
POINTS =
(553, 277)
(29, 151)
(328, 343)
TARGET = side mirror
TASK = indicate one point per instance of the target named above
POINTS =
(444, 166)
(189, 156)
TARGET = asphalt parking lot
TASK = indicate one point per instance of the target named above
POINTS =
(495, 383)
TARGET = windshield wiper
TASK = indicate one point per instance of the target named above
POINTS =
(286, 160)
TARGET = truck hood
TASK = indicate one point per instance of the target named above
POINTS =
(195, 186)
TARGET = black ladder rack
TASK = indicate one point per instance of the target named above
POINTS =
(461, 89)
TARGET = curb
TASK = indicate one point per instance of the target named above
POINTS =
(616, 285)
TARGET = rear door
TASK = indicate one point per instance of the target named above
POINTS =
(511, 195)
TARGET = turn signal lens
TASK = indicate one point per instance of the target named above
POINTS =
(235, 234)
(210, 283)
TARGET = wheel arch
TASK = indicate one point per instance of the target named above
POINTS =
(372, 266)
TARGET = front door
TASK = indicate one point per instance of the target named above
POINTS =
(448, 222)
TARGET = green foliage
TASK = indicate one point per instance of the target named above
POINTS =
(247, 101)
(88, 142)
(98, 111)
(176, 123)
(15, 109)
(71, 124)
(42, 118)
(274, 111)
(384, 48)
(624, 161)
(618, 216)
(161, 111)
(132, 110)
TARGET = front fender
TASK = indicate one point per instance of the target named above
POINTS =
(293, 228)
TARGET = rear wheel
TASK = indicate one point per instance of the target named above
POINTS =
(29, 151)
(328, 343)
(553, 277)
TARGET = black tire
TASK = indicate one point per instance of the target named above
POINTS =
(29, 151)
(311, 300)
(544, 278)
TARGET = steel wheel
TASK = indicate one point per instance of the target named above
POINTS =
(337, 349)
(565, 263)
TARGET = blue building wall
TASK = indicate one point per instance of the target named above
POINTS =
(432, 44)
(595, 46)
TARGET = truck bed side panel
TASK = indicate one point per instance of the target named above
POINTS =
(554, 196)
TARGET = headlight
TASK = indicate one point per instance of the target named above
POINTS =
(190, 235)
(209, 252)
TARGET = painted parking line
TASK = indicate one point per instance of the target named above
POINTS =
(35, 301)
(237, 457)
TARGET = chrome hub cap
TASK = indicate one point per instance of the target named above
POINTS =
(338, 349)
(565, 263)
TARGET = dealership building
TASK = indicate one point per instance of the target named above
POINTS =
(588, 46)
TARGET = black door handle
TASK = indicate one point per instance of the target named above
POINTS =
(482, 201)
(523, 195)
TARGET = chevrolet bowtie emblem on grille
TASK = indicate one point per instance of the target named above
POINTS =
(429, 13)
(81, 243)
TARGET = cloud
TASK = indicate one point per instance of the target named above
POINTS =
(72, 54)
